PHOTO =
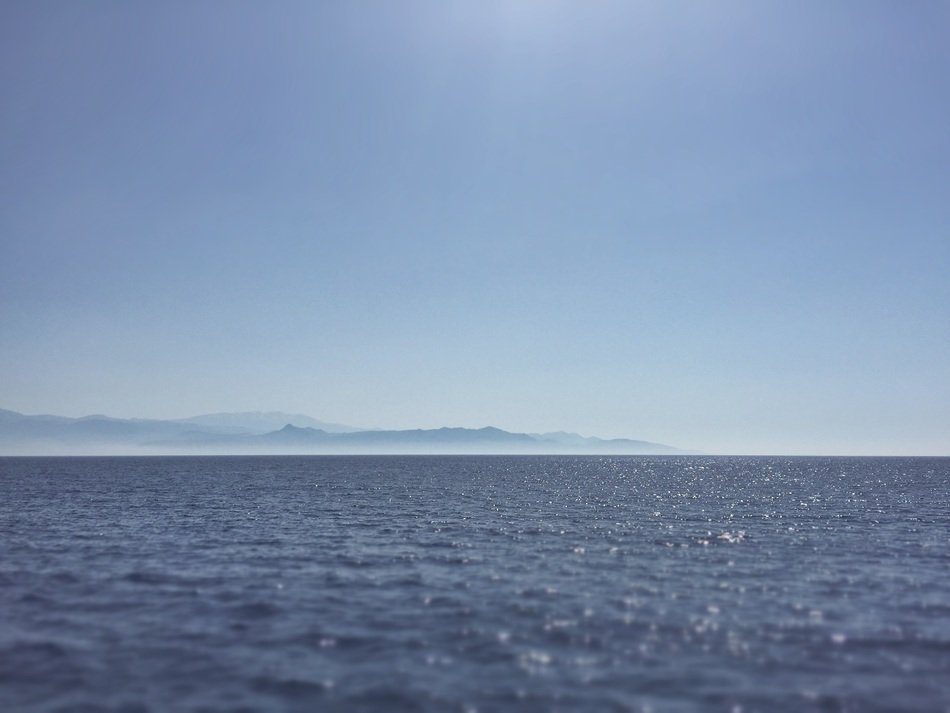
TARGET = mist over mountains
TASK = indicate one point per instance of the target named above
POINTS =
(258, 422)
(276, 433)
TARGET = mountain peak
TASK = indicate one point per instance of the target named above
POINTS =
(261, 422)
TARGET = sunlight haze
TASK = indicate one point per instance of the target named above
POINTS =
(719, 226)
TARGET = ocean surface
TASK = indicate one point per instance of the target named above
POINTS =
(474, 584)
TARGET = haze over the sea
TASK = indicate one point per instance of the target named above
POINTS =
(724, 226)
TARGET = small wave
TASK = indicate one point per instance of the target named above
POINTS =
(292, 688)
(723, 538)
(256, 610)
(146, 578)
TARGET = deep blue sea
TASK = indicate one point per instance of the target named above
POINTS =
(474, 584)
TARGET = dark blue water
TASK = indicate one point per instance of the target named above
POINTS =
(488, 584)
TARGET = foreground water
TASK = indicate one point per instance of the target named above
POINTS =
(479, 583)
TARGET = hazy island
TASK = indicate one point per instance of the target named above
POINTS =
(280, 433)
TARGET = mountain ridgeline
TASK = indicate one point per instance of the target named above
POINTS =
(276, 433)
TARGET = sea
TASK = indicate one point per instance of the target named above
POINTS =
(472, 583)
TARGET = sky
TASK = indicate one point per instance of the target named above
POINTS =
(721, 226)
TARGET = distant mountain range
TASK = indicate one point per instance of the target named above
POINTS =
(279, 433)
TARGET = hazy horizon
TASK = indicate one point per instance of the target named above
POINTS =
(277, 421)
(721, 227)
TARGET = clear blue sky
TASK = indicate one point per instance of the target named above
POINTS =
(722, 226)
